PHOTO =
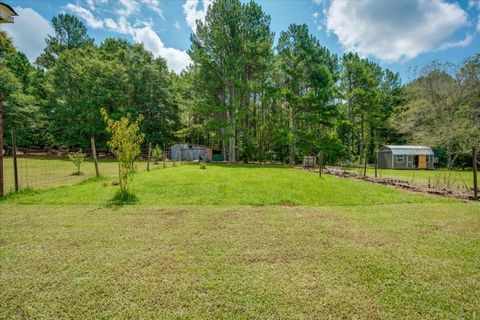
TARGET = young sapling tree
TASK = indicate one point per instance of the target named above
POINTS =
(77, 158)
(125, 145)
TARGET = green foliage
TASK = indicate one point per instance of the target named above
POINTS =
(116, 74)
(23, 105)
(157, 154)
(242, 95)
(442, 108)
(125, 145)
(6, 45)
(77, 159)
(70, 33)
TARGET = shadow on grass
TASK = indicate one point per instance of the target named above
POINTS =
(122, 198)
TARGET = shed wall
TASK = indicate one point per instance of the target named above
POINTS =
(384, 160)
(400, 165)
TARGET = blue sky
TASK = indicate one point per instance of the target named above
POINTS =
(398, 34)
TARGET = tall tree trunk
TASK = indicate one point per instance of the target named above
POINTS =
(362, 138)
(233, 128)
(371, 150)
(224, 121)
(350, 117)
(293, 146)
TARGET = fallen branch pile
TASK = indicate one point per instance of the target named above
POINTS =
(402, 184)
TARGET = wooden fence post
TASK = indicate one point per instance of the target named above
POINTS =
(475, 177)
(365, 164)
(94, 152)
(1, 145)
(164, 157)
(15, 169)
(376, 163)
(320, 163)
(149, 155)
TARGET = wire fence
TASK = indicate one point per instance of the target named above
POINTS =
(38, 172)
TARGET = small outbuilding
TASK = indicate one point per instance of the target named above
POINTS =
(405, 157)
(6, 13)
(190, 152)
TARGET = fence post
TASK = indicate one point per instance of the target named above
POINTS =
(15, 169)
(376, 163)
(164, 157)
(475, 177)
(149, 154)
(365, 164)
(1, 145)
(94, 152)
(320, 163)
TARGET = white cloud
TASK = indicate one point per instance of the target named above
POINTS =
(110, 24)
(29, 32)
(86, 15)
(123, 26)
(176, 25)
(154, 5)
(474, 4)
(318, 1)
(91, 4)
(177, 60)
(394, 30)
(128, 7)
(141, 32)
(315, 16)
(192, 14)
(460, 43)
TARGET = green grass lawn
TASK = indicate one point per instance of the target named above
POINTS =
(238, 242)
(440, 178)
(228, 185)
(37, 172)
(407, 261)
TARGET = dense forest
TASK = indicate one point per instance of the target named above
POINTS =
(247, 95)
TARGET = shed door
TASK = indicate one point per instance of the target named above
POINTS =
(409, 161)
(422, 161)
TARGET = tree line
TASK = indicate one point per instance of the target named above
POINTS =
(250, 97)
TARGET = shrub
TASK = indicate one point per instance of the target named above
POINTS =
(157, 154)
(77, 158)
(125, 144)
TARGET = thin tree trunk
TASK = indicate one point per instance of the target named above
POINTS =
(362, 138)
(293, 147)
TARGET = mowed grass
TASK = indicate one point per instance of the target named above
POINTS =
(38, 172)
(403, 261)
(454, 179)
(227, 185)
(237, 242)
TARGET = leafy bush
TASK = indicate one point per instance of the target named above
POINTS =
(125, 144)
(157, 154)
(77, 158)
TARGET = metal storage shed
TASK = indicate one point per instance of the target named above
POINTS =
(190, 152)
(405, 157)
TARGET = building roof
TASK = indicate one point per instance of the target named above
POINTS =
(410, 150)
(6, 13)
